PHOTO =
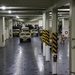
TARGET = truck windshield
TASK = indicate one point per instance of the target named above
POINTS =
(25, 30)
(16, 30)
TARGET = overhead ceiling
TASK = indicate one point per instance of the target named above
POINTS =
(25, 9)
(29, 3)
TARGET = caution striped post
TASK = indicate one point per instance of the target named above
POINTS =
(54, 43)
(54, 53)
(45, 37)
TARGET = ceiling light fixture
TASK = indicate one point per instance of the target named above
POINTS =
(17, 16)
(60, 14)
(3, 7)
(9, 11)
(63, 9)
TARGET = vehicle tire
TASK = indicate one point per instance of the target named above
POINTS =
(29, 40)
(21, 40)
(32, 35)
(37, 34)
(17, 35)
(13, 35)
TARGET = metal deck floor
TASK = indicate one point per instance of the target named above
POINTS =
(63, 58)
(26, 58)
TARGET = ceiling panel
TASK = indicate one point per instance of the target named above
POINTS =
(27, 3)
(26, 9)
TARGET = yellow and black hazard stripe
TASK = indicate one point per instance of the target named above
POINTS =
(43, 31)
(46, 36)
(47, 32)
(46, 40)
(54, 43)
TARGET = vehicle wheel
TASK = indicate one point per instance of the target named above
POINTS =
(32, 35)
(13, 35)
(17, 35)
(21, 40)
(29, 40)
(36, 34)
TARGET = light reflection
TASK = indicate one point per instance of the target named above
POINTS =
(18, 60)
(35, 51)
(40, 64)
(39, 60)
(20, 50)
(60, 58)
(68, 50)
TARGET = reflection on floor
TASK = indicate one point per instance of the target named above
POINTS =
(26, 58)
(63, 58)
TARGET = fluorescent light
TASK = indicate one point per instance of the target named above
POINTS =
(9, 11)
(63, 9)
(3, 7)
(36, 19)
(20, 19)
(60, 14)
(17, 16)
(50, 13)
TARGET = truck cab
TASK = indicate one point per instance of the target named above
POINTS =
(25, 35)
(34, 32)
(16, 32)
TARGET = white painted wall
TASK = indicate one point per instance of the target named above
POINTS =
(50, 22)
(9, 24)
(6, 33)
(6, 30)
(32, 23)
(15, 23)
(2, 31)
(10, 28)
(65, 27)
(40, 23)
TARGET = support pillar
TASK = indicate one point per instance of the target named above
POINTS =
(72, 37)
(44, 22)
(2, 31)
(65, 27)
(54, 42)
(10, 28)
(46, 48)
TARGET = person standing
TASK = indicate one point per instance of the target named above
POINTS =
(63, 39)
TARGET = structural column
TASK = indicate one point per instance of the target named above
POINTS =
(65, 27)
(54, 42)
(46, 48)
(10, 28)
(44, 23)
(48, 45)
(2, 31)
(72, 37)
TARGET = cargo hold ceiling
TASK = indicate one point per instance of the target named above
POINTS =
(25, 9)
